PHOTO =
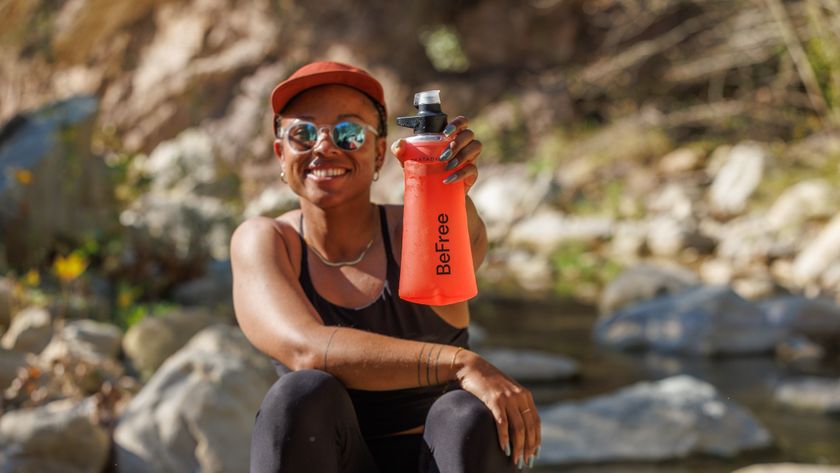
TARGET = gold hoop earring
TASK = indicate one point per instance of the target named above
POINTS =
(376, 175)
(283, 176)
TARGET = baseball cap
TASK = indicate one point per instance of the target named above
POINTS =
(323, 73)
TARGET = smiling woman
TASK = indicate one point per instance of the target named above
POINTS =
(369, 382)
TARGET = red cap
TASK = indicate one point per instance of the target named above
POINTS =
(323, 73)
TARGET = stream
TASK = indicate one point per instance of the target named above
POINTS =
(565, 327)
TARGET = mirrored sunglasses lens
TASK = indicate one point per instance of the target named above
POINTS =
(303, 135)
(349, 136)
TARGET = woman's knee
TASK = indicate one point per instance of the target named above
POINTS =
(308, 394)
(462, 412)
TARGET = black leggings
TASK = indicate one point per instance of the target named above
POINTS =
(307, 423)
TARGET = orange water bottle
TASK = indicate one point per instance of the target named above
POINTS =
(436, 266)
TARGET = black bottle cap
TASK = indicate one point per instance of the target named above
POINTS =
(430, 118)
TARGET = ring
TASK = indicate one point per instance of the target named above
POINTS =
(526, 410)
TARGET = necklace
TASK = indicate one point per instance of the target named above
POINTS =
(337, 264)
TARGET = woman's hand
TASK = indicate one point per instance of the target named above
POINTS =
(507, 400)
(460, 155)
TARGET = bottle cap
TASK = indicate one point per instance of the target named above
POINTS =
(427, 97)
(429, 118)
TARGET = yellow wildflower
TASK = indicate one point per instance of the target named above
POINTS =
(70, 267)
(24, 176)
(32, 278)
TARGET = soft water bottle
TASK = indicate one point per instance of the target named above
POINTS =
(437, 265)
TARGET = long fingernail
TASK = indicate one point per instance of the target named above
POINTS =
(395, 147)
(450, 178)
(531, 461)
(448, 130)
(520, 463)
(446, 154)
(507, 448)
(538, 451)
(451, 164)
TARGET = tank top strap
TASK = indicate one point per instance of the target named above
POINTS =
(304, 279)
(393, 269)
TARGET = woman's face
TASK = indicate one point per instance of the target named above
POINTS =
(327, 175)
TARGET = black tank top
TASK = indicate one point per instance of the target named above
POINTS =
(385, 412)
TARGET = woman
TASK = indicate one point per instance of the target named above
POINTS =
(374, 383)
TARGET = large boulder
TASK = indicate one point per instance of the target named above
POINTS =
(59, 437)
(810, 394)
(151, 341)
(816, 318)
(788, 468)
(643, 282)
(704, 320)
(30, 332)
(55, 189)
(667, 419)
(547, 230)
(196, 413)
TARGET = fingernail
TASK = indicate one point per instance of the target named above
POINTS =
(446, 154)
(451, 164)
(449, 129)
(531, 461)
(520, 463)
(538, 451)
(395, 147)
(451, 178)
(507, 448)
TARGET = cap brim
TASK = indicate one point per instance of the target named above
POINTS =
(285, 91)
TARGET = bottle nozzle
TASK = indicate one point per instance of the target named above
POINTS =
(427, 97)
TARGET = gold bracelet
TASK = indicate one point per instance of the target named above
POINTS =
(452, 365)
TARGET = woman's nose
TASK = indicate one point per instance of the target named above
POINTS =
(323, 143)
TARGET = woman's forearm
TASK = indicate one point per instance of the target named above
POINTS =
(374, 362)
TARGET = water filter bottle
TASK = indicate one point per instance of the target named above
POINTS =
(437, 265)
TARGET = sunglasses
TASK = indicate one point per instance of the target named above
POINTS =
(347, 135)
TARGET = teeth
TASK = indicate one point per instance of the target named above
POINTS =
(331, 172)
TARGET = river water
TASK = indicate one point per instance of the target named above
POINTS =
(565, 327)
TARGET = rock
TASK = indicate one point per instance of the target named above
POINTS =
(819, 254)
(213, 289)
(800, 352)
(671, 418)
(548, 230)
(680, 160)
(788, 468)
(628, 241)
(668, 237)
(645, 281)
(10, 363)
(185, 215)
(716, 272)
(532, 272)
(505, 194)
(55, 188)
(530, 365)
(96, 337)
(704, 320)
(755, 287)
(674, 200)
(813, 394)
(749, 239)
(57, 437)
(739, 177)
(151, 341)
(197, 412)
(806, 200)
(30, 332)
(817, 319)
(272, 201)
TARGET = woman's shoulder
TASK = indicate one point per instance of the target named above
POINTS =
(255, 235)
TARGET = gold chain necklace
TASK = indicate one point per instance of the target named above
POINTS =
(337, 264)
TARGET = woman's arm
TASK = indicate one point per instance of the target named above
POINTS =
(279, 320)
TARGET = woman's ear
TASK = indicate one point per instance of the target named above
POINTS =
(381, 146)
(278, 148)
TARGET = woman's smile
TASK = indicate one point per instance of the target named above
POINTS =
(325, 173)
